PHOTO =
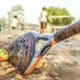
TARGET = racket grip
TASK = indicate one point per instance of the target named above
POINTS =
(42, 38)
(67, 32)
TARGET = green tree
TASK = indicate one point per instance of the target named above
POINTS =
(55, 11)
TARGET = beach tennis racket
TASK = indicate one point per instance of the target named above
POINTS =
(23, 53)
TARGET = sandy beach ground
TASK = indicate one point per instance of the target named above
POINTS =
(62, 60)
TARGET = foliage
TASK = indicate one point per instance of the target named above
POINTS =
(17, 8)
(54, 11)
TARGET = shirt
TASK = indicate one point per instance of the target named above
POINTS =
(14, 22)
(43, 16)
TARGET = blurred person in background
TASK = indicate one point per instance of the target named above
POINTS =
(43, 20)
(14, 24)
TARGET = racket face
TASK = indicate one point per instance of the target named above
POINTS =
(22, 51)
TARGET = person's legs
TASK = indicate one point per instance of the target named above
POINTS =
(41, 27)
(13, 30)
(44, 27)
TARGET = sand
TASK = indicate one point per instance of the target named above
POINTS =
(62, 61)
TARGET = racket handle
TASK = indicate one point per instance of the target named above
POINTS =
(43, 38)
(67, 32)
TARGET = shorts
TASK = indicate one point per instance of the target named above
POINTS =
(43, 25)
(13, 28)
